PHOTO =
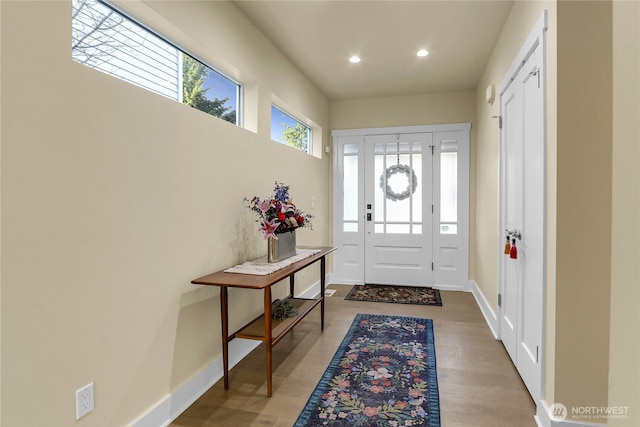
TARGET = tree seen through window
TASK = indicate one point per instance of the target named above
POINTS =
(289, 131)
(106, 40)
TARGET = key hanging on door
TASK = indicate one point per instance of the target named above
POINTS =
(513, 254)
(507, 247)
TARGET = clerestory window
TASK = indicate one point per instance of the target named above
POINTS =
(106, 40)
(290, 131)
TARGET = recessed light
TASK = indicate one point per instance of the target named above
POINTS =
(354, 59)
(422, 52)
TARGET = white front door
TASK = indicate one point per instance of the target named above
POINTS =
(411, 231)
(398, 200)
(522, 215)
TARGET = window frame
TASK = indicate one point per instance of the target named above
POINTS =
(309, 128)
(239, 101)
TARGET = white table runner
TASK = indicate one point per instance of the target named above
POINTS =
(261, 267)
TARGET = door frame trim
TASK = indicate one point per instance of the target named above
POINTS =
(359, 135)
(401, 129)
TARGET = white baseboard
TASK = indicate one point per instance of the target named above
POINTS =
(485, 308)
(314, 290)
(174, 404)
(347, 282)
(449, 288)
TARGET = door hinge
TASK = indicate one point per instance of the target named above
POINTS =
(537, 348)
(499, 120)
(431, 266)
(431, 208)
(432, 147)
(536, 73)
(499, 300)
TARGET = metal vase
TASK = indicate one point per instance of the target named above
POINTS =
(282, 247)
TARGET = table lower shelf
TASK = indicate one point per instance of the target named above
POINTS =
(256, 329)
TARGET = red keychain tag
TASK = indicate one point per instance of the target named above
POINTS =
(513, 253)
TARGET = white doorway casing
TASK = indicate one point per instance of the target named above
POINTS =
(440, 250)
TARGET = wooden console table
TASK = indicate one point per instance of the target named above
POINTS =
(265, 328)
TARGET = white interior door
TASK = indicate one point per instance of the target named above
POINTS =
(512, 190)
(398, 200)
(522, 205)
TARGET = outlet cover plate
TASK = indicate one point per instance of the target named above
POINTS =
(84, 401)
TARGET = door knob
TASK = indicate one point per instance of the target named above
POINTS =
(515, 233)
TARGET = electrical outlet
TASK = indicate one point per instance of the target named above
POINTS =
(84, 401)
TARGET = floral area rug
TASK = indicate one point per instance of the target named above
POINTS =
(383, 375)
(396, 294)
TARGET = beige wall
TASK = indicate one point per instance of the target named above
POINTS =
(624, 347)
(583, 217)
(114, 198)
(456, 107)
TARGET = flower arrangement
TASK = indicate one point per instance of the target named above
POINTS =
(277, 214)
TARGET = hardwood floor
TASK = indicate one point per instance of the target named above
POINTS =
(478, 384)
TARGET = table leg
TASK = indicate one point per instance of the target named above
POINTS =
(224, 314)
(291, 285)
(322, 284)
(267, 336)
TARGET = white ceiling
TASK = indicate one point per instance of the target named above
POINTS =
(319, 37)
